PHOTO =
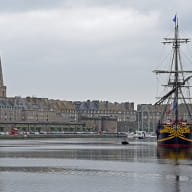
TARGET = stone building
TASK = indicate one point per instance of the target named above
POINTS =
(39, 110)
(106, 124)
(101, 110)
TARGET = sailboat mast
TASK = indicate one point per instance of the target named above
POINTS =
(176, 49)
(171, 131)
(176, 69)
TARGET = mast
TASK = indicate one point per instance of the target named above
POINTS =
(176, 49)
(176, 72)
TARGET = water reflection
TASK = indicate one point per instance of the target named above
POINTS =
(174, 153)
(178, 157)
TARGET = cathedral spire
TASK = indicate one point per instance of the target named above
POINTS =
(2, 87)
(1, 74)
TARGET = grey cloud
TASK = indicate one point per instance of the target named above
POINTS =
(26, 5)
(85, 49)
(23, 5)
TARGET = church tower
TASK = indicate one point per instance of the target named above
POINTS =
(2, 87)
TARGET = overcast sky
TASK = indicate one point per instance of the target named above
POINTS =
(86, 49)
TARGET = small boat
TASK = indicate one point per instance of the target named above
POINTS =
(125, 141)
(140, 134)
(175, 126)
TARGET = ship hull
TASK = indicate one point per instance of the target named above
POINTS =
(175, 136)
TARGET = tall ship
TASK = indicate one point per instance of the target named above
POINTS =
(175, 125)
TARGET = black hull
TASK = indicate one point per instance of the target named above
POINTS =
(175, 142)
(168, 136)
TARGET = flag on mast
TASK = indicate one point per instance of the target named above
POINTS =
(175, 19)
(172, 107)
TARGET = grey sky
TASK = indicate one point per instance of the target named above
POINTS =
(86, 49)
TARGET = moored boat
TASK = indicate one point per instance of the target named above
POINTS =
(175, 126)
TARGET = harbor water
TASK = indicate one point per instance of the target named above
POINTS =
(92, 165)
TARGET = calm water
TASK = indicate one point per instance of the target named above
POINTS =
(92, 165)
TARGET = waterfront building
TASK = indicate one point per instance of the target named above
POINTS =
(43, 110)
